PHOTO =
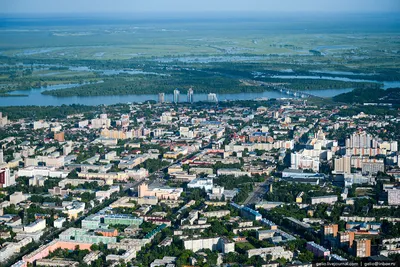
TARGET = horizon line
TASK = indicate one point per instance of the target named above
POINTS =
(201, 13)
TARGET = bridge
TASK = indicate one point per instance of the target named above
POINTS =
(294, 93)
(279, 88)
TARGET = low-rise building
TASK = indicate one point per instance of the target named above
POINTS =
(200, 170)
(137, 174)
(57, 262)
(124, 202)
(84, 235)
(219, 192)
(76, 182)
(233, 172)
(217, 213)
(32, 171)
(36, 226)
(18, 197)
(100, 221)
(107, 232)
(58, 223)
(159, 192)
(74, 209)
(107, 193)
(318, 250)
(203, 183)
(268, 205)
(37, 180)
(166, 261)
(183, 176)
(10, 249)
(250, 214)
(324, 199)
(58, 191)
(214, 244)
(298, 224)
(300, 174)
(92, 256)
(274, 252)
(44, 251)
(275, 235)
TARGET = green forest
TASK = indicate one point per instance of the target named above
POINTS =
(368, 95)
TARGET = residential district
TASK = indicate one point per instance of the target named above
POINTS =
(250, 183)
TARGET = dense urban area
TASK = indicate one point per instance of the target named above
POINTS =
(267, 182)
(187, 133)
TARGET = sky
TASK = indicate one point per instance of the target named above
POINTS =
(196, 6)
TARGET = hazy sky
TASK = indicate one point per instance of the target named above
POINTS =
(178, 6)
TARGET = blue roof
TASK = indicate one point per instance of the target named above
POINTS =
(254, 212)
(235, 205)
(210, 122)
(315, 245)
(267, 222)
(260, 134)
(155, 231)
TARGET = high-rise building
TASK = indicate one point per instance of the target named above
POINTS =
(5, 178)
(1, 156)
(124, 121)
(329, 234)
(346, 239)
(393, 196)
(161, 98)
(330, 230)
(190, 95)
(102, 122)
(211, 97)
(304, 159)
(362, 248)
(343, 165)
(176, 96)
(361, 140)
(3, 120)
(373, 167)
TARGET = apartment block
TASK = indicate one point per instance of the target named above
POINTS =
(214, 244)
(318, 250)
(362, 248)
(274, 252)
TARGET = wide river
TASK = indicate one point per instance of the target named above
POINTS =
(34, 97)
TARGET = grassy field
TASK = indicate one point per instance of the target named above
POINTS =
(233, 51)
(127, 42)
(363, 51)
(244, 246)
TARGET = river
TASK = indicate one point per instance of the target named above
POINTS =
(34, 97)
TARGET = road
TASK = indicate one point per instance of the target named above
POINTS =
(257, 194)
